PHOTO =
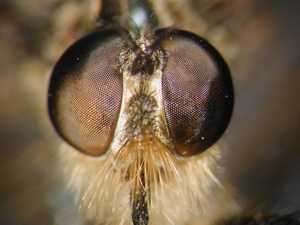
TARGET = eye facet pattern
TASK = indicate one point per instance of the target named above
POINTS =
(86, 88)
(86, 91)
(197, 92)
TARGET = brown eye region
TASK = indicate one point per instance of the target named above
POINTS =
(197, 92)
(85, 92)
(86, 88)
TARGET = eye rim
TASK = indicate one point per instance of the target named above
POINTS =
(76, 56)
(223, 69)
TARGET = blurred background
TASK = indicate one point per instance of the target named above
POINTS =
(264, 149)
(263, 158)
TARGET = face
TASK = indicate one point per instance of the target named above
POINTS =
(140, 111)
(145, 107)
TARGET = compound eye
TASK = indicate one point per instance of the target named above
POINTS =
(85, 92)
(197, 92)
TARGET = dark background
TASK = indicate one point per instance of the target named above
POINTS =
(263, 138)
